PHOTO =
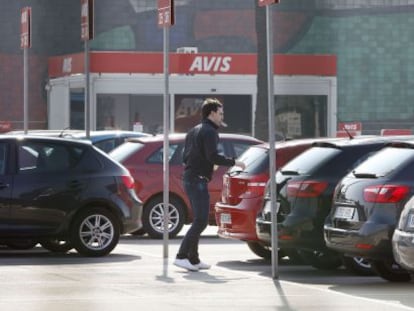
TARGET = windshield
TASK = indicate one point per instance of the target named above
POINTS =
(305, 162)
(124, 151)
(376, 166)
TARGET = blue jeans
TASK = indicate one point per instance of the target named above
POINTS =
(196, 189)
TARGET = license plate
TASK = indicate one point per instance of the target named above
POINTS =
(344, 212)
(225, 219)
(411, 221)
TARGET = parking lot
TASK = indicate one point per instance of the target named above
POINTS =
(136, 277)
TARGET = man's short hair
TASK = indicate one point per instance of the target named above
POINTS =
(209, 105)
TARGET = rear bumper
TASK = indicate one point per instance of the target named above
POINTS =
(289, 237)
(403, 249)
(243, 219)
(372, 241)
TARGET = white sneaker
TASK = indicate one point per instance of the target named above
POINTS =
(203, 266)
(186, 264)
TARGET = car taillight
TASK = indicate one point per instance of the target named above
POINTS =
(128, 181)
(306, 189)
(385, 193)
(253, 189)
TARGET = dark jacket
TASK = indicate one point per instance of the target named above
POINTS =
(200, 150)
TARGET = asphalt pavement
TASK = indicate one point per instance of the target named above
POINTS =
(136, 276)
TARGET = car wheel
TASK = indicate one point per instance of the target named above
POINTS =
(57, 245)
(391, 271)
(95, 232)
(321, 259)
(21, 244)
(358, 265)
(153, 217)
(260, 249)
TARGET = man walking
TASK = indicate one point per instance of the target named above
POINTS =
(200, 155)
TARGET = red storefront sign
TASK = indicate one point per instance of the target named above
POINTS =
(166, 15)
(25, 27)
(204, 63)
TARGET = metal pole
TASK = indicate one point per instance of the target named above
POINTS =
(272, 152)
(25, 90)
(166, 147)
(87, 97)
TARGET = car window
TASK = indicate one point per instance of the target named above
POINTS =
(376, 166)
(157, 156)
(124, 151)
(3, 153)
(305, 162)
(46, 157)
(239, 148)
(255, 159)
(106, 145)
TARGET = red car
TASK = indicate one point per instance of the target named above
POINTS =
(242, 194)
(143, 157)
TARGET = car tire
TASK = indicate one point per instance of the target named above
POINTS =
(21, 244)
(260, 250)
(153, 217)
(321, 259)
(57, 245)
(95, 232)
(358, 265)
(391, 271)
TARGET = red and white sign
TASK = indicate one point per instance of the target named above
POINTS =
(87, 30)
(25, 28)
(385, 132)
(267, 2)
(346, 128)
(202, 63)
(350, 126)
(166, 16)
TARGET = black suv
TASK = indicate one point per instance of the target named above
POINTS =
(64, 194)
(305, 187)
(367, 204)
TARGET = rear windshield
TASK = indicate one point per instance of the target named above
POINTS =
(376, 166)
(125, 150)
(305, 162)
(256, 160)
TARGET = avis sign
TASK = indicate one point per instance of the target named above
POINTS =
(267, 2)
(25, 27)
(166, 16)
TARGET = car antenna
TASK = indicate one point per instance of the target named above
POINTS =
(346, 130)
(61, 133)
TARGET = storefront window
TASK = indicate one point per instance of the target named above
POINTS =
(301, 116)
(77, 110)
(237, 112)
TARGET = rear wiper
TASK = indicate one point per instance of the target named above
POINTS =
(364, 175)
(289, 172)
(234, 173)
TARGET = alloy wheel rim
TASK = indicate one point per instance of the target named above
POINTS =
(156, 217)
(97, 232)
